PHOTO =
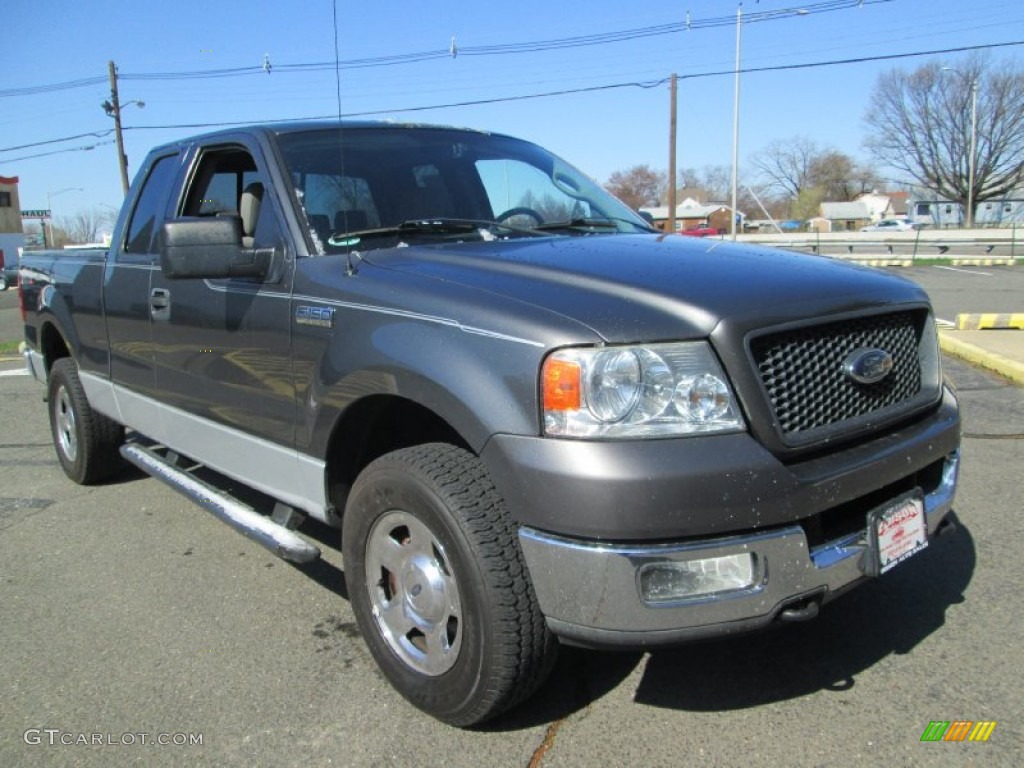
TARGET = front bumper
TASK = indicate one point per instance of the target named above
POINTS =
(590, 591)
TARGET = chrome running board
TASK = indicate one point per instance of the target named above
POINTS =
(278, 539)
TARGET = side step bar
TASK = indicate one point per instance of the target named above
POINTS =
(284, 543)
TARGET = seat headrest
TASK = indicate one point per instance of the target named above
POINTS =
(249, 207)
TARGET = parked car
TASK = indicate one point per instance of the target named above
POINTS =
(8, 271)
(890, 225)
(568, 428)
(701, 230)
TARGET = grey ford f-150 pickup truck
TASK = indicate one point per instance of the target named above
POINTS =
(534, 419)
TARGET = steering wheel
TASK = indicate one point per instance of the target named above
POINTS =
(520, 211)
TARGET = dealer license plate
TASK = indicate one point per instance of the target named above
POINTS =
(898, 531)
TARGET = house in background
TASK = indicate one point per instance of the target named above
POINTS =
(879, 206)
(12, 236)
(1008, 212)
(842, 217)
(900, 202)
(691, 213)
(946, 214)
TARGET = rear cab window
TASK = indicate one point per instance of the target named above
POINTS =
(148, 213)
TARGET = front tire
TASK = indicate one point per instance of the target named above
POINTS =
(87, 442)
(439, 587)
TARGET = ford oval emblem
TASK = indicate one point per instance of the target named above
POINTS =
(867, 365)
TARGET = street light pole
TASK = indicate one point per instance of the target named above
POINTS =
(736, 120)
(672, 156)
(49, 209)
(972, 156)
(972, 160)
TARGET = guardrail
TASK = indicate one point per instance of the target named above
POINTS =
(988, 247)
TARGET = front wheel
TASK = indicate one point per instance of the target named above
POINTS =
(87, 442)
(439, 587)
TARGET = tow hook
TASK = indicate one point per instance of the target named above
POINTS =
(802, 608)
(946, 527)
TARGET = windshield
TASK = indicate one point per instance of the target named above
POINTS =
(361, 188)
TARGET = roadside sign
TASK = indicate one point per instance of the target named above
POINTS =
(37, 214)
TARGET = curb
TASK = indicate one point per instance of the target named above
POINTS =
(881, 262)
(996, 262)
(989, 320)
(990, 360)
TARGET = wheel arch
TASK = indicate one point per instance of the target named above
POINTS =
(376, 425)
(53, 344)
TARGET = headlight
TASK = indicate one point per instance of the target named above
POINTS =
(656, 390)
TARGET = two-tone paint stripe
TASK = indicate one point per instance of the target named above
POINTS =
(990, 320)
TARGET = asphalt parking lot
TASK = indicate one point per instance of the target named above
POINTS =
(131, 614)
(10, 318)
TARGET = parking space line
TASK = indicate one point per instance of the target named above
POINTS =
(961, 269)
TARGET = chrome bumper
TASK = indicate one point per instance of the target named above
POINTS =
(590, 591)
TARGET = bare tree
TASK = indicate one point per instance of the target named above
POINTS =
(86, 225)
(716, 181)
(840, 178)
(799, 175)
(786, 164)
(639, 186)
(920, 124)
(710, 183)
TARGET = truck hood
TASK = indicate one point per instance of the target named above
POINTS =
(630, 288)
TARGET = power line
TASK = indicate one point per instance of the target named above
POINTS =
(593, 88)
(97, 134)
(536, 46)
(522, 97)
(59, 151)
(32, 90)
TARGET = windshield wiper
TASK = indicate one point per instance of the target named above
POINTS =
(577, 223)
(431, 226)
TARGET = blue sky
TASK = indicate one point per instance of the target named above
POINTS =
(599, 131)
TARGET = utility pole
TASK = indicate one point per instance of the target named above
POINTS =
(672, 158)
(115, 112)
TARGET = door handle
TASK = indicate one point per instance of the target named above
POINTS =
(160, 304)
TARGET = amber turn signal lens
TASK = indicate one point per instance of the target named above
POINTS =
(561, 381)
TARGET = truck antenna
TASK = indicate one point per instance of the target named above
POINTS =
(351, 267)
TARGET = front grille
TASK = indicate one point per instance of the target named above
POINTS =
(802, 371)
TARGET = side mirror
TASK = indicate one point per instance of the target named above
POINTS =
(209, 248)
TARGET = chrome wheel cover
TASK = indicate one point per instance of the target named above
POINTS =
(64, 418)
(413, 593)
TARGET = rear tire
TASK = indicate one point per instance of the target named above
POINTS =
(439, 587)
(3, 283)
(87, 442)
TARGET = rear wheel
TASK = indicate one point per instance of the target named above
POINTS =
(438, 585)
(3, 283)
(87, 442)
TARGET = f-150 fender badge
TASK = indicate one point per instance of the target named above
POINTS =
(318, 317)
